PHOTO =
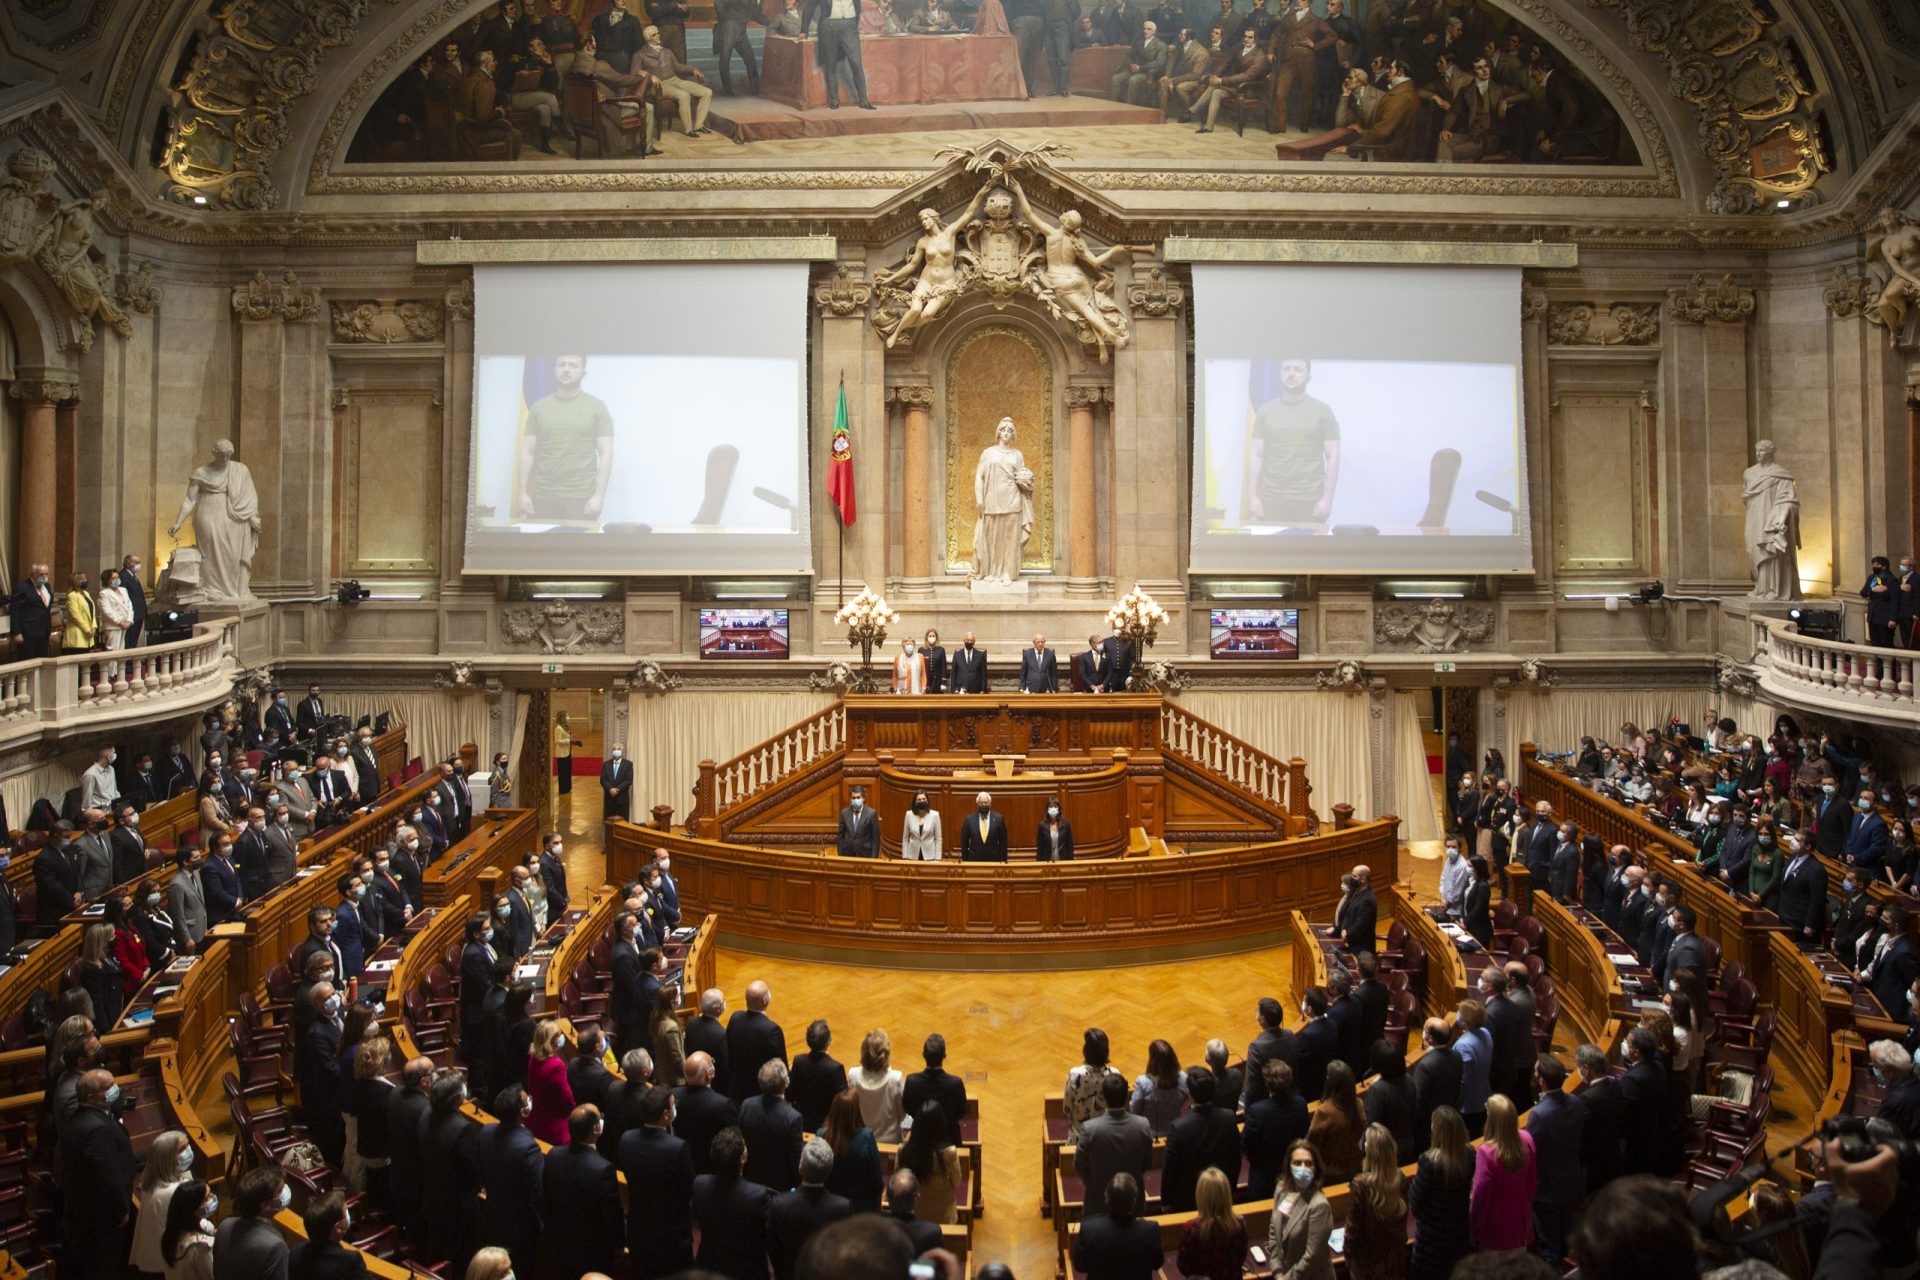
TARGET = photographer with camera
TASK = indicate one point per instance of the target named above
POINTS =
(1855, 1220)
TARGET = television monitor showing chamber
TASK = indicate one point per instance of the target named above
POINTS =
(1254, 633)
(743, 633)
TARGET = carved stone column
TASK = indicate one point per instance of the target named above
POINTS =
(1083, 563)
(1150, 438)
(916, 513)
(845, 346)
(278, 431)
(39, 503)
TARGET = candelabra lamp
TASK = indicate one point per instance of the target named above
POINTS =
(1137, 618)
(866, 618)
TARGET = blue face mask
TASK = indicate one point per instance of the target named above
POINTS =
(1303, 1175)
(112, 1095)
(503, 911)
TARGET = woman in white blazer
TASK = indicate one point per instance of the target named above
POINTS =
(920, 836)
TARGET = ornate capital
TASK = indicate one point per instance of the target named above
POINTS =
(1085, 397)
(384, 321)
(1703, 303)
(459, 299)
(134, 288)
(1591, 324)
(1347, 675)
(1533, 302)
(285, 299)
(43, 391)
(920, 397)
(1848, 294)
(842, 294)
(649, 677)
(1154, 293)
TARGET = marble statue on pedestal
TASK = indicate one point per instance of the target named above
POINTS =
(1003, 488)
(226, 529)
(1773, 526)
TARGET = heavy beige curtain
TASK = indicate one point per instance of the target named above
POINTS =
(438, 723)
(1752, 715)
(668, 735)
(1327, 730)
(1556, 719)
(1419, 818)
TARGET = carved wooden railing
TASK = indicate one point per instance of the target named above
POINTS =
(1281, 786)
(1844, 677)
(723, 786)
(75, 690)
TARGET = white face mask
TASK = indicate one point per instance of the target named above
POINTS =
(617, 753)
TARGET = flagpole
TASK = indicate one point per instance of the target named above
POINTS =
(840, 566)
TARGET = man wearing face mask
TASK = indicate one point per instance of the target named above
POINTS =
(366, 766)
(983, 836)
(1563, 873)
(1803, 895)
(519, 919)
(321, 940)
(429, 823)
(250, 855)
(99, 787)
(387, 897)
(350, 936)
(969, 667)
(1736, 855)
(186, 901)
(1897, 967)
(1687, 950)
(317, 1071)
(477, 958)
(1867, 836)
(96, 1180)
(456, 801)
(616, 784)
(859, 832)
(406, 857)
(31, 615)
(279, 717)
(1455, 876)
(1832, 821)
(1656, 931)
(512, 1172)
(552, 870)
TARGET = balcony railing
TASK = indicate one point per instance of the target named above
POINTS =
(1851, 678)
(81, 689)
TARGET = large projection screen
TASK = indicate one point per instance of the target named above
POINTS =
(639, 418)
(1358, 419)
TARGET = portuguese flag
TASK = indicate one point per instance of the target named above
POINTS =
(840, 463)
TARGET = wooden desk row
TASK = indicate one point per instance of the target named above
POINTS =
(1004, 915)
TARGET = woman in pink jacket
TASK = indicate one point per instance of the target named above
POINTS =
(1504, 1173)
(547, 1085)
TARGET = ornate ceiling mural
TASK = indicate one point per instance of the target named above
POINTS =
(1466, 86)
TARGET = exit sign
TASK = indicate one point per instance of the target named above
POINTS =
(1446, 668)
(555, 668)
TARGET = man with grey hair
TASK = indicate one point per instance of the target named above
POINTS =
(774, 1130)
(1900, 1105)
(983, 835)
(701, 1111)
(96, 1173)
(792, 1218)
(706, 1033)
(1227, 1079)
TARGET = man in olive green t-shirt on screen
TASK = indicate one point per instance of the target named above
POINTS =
(566, 453)
(1296, 453)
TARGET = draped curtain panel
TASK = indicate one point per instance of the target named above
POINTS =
(668, 735)
(1419, 815)
(51, 780)
(438, 724)
(1327, 730)
(1752, 715)
(1556, 719)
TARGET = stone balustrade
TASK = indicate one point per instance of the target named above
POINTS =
(1849, 679)
(76, 691)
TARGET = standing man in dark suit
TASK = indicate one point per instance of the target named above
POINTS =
(1273, 1042)
(366, 766)
(250, 854)
(752, 1040)
(1436, 1079)
(552, 871)
(1900, 1105)
(476, 979)
(983, 836)
(587, 1074)
(1687, 951)
(1090, 668)
(937, 1084)
(616, 784)
(1606, 1110)
(1803, 896)
(794, 1217)
(456, 801)
(312, 710)
(1119, 663)
(220, 881)
(1348, 1020)
(623, 1003)
(969, 667)
(1359, 917)
(583, 1215)
(773, 1130)
(407, 1112)
(659, 1172)
(1645, 1143)
(96, 1180)
(1512, 1036)
(32, 613)
(1374, 1000)
(126, 846)
(137, 596)
(731, 1212)
(700, 1111)
(817, 1079)
(1831, 820)
(617, 35)
(1558, 1124)
(1206, 1137)
(513, 1174)
(1881, 592)
(1867, 837)
(707, 1034)
(859, 833)
(730, 37)
(1039, 671)
(1114, 1142)
(1898, 965)
(323, 1255)
(1316, 1045)
(279, 717)
(840, 42)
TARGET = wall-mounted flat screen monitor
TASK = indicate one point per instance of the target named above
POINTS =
(1254, 633)
(743, 633)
